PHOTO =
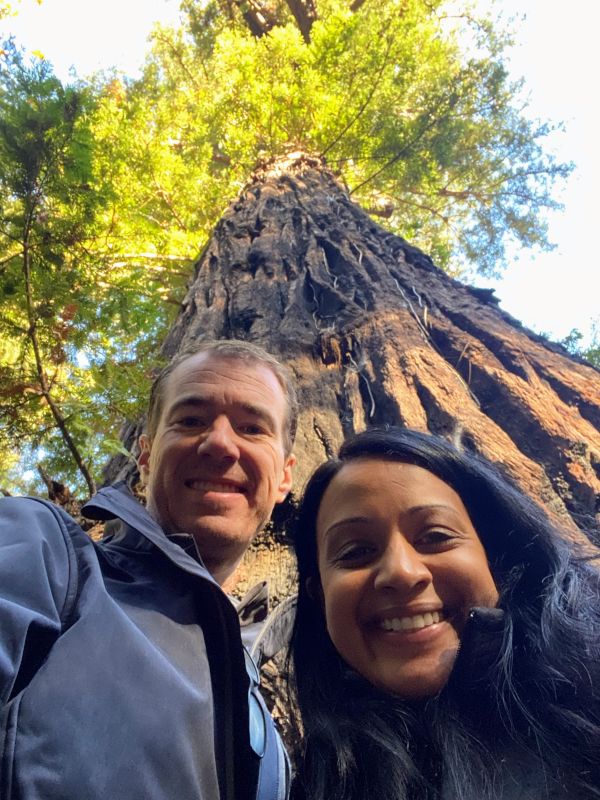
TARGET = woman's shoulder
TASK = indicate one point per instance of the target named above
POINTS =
(521, 775)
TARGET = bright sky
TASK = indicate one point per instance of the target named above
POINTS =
(558, 54)
(559, 57)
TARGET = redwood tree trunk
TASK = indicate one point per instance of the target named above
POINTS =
(375, 333)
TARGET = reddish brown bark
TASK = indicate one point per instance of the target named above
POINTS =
(375, 333)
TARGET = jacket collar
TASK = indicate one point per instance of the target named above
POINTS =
(117, 502)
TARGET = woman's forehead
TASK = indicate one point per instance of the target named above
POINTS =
(372, 482)
(361, 473)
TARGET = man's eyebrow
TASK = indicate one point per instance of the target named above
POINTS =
(192, 401)
(199, 402)
(260, 412)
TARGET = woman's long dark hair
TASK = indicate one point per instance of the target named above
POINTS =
(535, 689)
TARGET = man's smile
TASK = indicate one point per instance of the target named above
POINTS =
(224, 487)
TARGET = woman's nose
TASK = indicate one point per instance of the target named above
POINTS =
(401, 567)
(219, 441)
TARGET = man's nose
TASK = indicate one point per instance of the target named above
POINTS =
(219, 441)
(402, 567)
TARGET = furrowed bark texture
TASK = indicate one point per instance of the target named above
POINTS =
(375, 333)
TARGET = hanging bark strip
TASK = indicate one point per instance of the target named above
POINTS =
(375, 333)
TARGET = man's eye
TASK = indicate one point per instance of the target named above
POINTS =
(191, 422)
(251, 428)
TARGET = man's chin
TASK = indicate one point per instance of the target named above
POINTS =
(220, 548)
(218, 532)
(219, 503)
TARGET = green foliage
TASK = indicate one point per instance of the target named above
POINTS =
(74, 318)
(109, 190)
(424, 131)
(591, 352)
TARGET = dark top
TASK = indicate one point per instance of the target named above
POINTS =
(122, 672)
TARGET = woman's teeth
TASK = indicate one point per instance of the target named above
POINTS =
(411, 623)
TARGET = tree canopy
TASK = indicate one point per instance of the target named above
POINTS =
(411, 106)
(109, 188)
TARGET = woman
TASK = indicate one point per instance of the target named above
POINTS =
(447, 638)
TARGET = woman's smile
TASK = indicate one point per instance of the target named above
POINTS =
(417, 622)
(400, 566)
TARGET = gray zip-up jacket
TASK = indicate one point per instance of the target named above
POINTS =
(122, 672)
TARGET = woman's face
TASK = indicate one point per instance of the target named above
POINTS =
(400, 566)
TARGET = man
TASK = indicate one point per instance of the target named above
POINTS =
(122, 673)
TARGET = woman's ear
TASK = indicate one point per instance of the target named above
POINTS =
(314, 590)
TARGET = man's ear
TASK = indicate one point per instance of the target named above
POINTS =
(287, 478)
(143, 461)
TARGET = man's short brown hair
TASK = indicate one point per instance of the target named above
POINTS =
(236, 350)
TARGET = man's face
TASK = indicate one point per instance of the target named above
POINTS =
(217, 464)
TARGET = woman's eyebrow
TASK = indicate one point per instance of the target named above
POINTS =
(346, 521)
(361, 520)
(431, 507)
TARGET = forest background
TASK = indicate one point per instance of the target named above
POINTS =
(110, 186)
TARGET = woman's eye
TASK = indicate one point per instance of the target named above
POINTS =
(435, 539)
(357, 553)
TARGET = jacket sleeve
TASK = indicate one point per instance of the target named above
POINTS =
(36, 568)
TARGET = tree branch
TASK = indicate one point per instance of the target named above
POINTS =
(166, 199)
(305, 14)
(433, 120)
(9, 258)
(364, 105)
(177, 57)
(424, 207)
(260, 20)
(60, 420)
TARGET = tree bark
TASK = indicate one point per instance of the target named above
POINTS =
(305, 14)
(257, 16)
(375, 333)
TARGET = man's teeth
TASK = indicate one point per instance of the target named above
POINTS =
(411, 623)
(213, 486)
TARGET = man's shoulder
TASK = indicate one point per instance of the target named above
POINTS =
(41, 551)
(37, 521)
(33, 508)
